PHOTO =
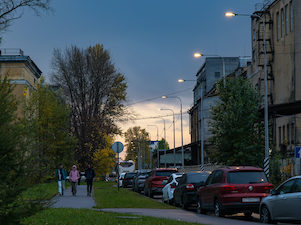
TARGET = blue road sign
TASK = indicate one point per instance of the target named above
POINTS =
(298, 152)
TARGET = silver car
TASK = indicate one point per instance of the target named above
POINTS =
(284, 203)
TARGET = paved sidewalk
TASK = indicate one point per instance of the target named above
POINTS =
(81, 200)
(180, 215)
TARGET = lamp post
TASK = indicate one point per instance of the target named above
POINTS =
(202, 124)
(164, 97)
(150, 152)
(174, 136)
(198, 55)
(266, 115)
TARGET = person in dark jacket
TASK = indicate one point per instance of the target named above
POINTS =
(61, 175)
(89, 174)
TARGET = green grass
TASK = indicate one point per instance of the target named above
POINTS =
(107, 196)
(92, 217)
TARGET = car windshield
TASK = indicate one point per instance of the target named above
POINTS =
(165, 173)
(196, 177)
(130, 175)
(126, 164)
(246, 177)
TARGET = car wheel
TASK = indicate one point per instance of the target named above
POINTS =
(183, 205)
(265, 216)
(199, 208)
(150, 193)
(218, 211)
(145, 192)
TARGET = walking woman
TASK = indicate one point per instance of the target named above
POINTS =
(61, 175)
(74, 176)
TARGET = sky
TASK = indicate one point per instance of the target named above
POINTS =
(151, 42)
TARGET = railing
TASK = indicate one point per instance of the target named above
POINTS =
(11, 51)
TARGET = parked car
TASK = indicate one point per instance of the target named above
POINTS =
(168, 190)
(138, 182)
(121, 177)
(82, 176)
(157, 180)
(284, 203)
(232, 190)
(128, 180)
(185, 192)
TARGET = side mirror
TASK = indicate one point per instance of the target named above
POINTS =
(274, 192)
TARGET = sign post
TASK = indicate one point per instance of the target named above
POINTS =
(117, 148)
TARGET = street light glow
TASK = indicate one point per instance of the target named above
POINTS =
(230, 14)
(163, 97)
(197, 55)
(180, 80)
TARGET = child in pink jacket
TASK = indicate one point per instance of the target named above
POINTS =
(74, 176)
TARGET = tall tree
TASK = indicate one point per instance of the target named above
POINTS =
(11, 10)
(46, 119)
(236, 126)
(96, 93)
(161, 144)
(137, 141)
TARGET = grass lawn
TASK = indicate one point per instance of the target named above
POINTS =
(107, 196)
(92, 217)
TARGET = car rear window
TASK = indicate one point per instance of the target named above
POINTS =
(165, 173)
(126, 164)
(246, 177)
(196, 178)
(130, 175)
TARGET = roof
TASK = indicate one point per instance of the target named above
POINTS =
(22, 59)
(165, 169)
(240, 168)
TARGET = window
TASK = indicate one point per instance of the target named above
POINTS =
(279, 135)
(278, 25)
(293, 133)
(217, 74)
(218, 176)
(210, 178)
(246, 177)
(286, 20)
(292, 16)
(196, 177)
(286, 187)
(282, 23)
(288, 135)
(283, 133)
(164, 173)
(298, 185)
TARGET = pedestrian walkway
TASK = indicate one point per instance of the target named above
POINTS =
(180, 215)
(80, 201)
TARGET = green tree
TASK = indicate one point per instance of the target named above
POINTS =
(13, 173)
(237, 130)
(137, 139)
(161, 144)
(48, 137)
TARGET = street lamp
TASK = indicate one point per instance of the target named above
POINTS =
(150, 152)
(198, 55)
(180, 80)
(266, 115)
(176, 97)
(174, 136)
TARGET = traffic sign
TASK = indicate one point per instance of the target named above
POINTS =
(298, 152)
(117, 147)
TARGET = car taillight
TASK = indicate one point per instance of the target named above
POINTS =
(173, 185)
(268, 187)
(229, 188)
(190, 187)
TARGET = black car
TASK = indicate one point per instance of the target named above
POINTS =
(138, 182)
(185, 192)
(128, 180)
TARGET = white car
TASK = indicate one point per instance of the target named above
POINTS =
(121, 177)
(170, 187)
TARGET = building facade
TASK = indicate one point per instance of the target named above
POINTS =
(20, 70)
(205, 97)
(283, 42)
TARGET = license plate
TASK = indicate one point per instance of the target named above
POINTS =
(250, 199)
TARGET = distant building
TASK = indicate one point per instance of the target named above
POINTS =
(283, 33)
(210, 72)
(20, 70)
